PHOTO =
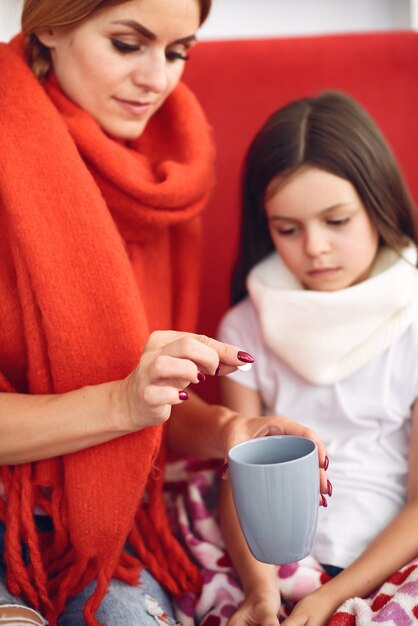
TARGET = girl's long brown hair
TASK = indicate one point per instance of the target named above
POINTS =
(42, 14)
(334, 133)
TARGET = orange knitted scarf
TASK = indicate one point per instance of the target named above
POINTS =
(104, 241)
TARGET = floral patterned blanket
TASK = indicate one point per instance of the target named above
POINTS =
(192, 492)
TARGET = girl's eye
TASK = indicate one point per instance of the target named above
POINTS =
(340, 222)
(287, 231)
(173, 55)
(123, 47)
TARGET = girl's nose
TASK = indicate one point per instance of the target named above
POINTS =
(316, 242)
(151, 73)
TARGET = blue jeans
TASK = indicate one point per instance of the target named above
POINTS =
(123, 605)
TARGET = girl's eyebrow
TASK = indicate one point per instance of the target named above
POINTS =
(324, 211)
(142, 30)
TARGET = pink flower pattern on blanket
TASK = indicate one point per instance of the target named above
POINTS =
(191, 495)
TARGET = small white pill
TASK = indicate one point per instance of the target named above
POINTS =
(245, 367)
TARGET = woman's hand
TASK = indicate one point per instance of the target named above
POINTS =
(258, 609)
(241, 427)
(170, 362)
(246, 401)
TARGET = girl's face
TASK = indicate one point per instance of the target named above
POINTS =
(321, 229)
(122, 62)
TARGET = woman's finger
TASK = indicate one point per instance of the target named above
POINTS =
(291, 427)
(159, 396)
(187, 347)
(230, 356)
(210, 355)
(175, 372)
(244, 428)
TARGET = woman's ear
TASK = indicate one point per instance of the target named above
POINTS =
(47, 37)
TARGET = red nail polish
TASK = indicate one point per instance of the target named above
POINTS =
(218, 369)
(324, 501)
(326, 463)
(245, 357)
(183, 395)
(201, 377)
(329, 488)
(224, 470)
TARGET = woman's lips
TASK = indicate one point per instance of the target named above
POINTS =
(134, 107)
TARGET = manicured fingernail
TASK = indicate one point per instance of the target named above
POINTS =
(326, 463)
(224, 470)
(324, 501)
(201, 377)
(218, 369)
(245, 357)
(183, 395)
(329, 488)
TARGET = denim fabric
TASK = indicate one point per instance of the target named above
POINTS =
(123, 605)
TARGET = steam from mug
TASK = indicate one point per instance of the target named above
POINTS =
(275, 487)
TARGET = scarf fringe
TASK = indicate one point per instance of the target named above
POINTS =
(56, 573)
(177, 574)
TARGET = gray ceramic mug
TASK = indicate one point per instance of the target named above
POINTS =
(275, 486)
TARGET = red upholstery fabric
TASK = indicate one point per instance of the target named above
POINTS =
(239, 83)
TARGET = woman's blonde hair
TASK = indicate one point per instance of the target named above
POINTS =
(42, 14)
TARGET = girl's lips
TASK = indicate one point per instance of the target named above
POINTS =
(321, 273)
(134, 107)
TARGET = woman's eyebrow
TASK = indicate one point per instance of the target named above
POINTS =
(142, 30)
(138, 27)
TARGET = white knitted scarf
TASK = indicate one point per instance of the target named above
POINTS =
(326, 336)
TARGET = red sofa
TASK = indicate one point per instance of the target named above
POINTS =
(239, 83)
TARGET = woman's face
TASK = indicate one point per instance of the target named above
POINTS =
(122, 62)
(321, 229)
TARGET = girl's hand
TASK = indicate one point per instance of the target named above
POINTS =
(170, 362)
(258, 609)
(316, 609)
(241, 427)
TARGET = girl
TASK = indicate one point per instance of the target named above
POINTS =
(328, 257)
(105, 166)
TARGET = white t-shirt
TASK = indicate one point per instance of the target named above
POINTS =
(364, 420)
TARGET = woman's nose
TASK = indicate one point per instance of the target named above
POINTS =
(151, 73)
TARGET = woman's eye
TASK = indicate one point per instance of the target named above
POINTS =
(173, 55)
(123, 47)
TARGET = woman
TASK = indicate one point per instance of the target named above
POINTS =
(106, 164)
